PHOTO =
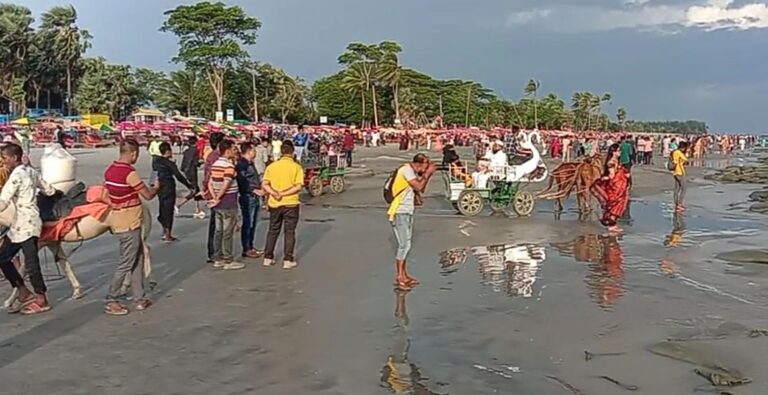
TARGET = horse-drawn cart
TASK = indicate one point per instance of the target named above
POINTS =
(321, 170)
(500, 188)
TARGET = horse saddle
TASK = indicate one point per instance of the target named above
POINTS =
(60, 205)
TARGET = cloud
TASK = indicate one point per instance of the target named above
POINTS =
(646, 15)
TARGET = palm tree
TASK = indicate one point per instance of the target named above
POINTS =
(388, 70)
(15, 39)
(532, 89)
(69, 40)
(180, 91)
(621, 116)
(356, 83)
(390, 74)
(606, 98)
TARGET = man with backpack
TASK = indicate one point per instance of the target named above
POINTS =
(402, 191)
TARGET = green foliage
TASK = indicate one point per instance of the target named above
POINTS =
(15, 39)
(667, 126)
(372, 88)
(109, 89)
(150, 84)
(211, 38)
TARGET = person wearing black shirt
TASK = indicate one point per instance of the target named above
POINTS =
(167, 174)
(190, 162)
(250, 192)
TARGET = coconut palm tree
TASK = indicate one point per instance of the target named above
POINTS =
(621, 116)
(70, 42)
(180, 91)
(355, 82)
(15, 39)
(532, 90)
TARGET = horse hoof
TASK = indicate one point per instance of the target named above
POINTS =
(77, 294)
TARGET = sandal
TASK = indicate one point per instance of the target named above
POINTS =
(413, 281)
(19, 305)
(34, 308)
(403, 286)
(115, 309)
(143, 304)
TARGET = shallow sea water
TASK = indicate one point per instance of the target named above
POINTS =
(514, 314)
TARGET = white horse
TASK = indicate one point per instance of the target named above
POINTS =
(87, 228)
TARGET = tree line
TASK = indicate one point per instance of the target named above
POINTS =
(46, 66)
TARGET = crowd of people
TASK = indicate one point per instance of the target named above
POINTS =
(239, 178)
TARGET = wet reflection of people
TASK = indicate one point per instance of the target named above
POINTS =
(678, 230)
(399, 375)
(605, 278)
(510, 267)
(673, 240)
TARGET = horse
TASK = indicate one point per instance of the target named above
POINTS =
(575, 176)
(87, 228)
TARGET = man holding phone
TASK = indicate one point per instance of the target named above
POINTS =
(410, 181)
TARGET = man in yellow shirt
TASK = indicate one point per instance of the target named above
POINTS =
(411, 179)
(283, 180)
(680, 161)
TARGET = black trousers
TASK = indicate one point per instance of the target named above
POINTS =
(285, 218)
(211, 232)
(166, 210)
(31, 261)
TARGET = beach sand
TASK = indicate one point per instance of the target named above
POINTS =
(476, 326)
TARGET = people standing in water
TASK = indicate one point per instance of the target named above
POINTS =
(679, 160)
(612, 189)
(410, 180)
(626, 156)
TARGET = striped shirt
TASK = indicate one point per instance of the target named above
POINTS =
(223, 170)
(123, 185)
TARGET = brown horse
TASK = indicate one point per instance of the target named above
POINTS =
(572, 177)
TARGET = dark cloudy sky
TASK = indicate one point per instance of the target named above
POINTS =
(661, 59)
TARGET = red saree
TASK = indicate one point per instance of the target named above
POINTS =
(613, 195)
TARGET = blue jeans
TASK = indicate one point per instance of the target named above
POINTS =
(249, 208)
(403, 227)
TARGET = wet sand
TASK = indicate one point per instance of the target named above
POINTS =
(511, 302)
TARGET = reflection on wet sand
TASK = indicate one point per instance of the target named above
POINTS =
(399, 375)
(678, 230)
(673, 240)
(605, 256)
(511, 268)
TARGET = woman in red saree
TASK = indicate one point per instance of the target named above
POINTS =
(612, 189)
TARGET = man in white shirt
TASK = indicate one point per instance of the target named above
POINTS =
(20, 190)
(498, 165)
(498, 157)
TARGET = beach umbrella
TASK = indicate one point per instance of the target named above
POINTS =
(21, 122)
(106, 128)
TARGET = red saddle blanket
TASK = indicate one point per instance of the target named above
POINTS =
(53, 231)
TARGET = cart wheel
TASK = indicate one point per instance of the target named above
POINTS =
(315, 187)
(523, 203)
(337, 184)
(470, 203)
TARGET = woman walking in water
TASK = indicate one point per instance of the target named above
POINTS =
(612, 190)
